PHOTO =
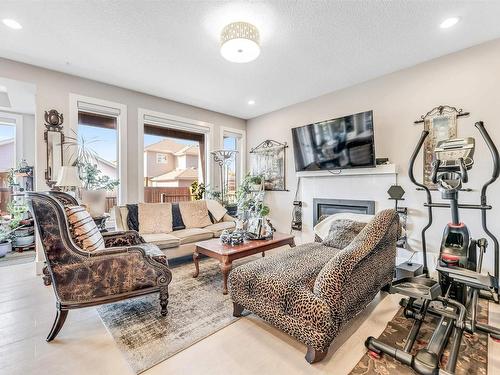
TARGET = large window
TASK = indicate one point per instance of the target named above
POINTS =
(173, 161)
(7, 161)
(100, 135)
(233, 140)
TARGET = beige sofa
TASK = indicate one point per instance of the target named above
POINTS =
(180, 242)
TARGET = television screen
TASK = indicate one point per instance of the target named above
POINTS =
(345, 142)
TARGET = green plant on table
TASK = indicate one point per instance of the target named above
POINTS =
(17, 212)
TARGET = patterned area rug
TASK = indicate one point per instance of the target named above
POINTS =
(197, 308)
(473, 357)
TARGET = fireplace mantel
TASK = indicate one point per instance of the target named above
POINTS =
(379, 169)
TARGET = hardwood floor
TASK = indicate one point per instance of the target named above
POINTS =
(249, 346)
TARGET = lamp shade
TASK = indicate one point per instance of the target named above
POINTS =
(68, 177)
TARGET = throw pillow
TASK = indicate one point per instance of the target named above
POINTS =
(216, 209)
(155, 218)
(342, 232)
(133, 217)
(83, 229)
(177, 223)
(195, 214)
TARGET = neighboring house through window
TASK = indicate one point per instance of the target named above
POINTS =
(161, 158)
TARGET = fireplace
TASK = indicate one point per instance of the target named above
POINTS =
(334, 206)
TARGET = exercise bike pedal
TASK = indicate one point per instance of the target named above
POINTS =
(374, 355)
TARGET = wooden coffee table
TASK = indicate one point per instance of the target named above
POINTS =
(226, 254)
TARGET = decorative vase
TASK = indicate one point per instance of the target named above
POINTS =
(5, 247)
(95, 200)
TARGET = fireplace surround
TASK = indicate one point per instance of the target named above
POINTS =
(323, 206)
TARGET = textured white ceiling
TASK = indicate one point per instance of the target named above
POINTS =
(170, 48)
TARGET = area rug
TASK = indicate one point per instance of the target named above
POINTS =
(473, 357)
(197, 308)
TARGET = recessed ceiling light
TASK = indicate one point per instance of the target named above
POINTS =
(239, 42)
(13, 24)
(449, 22)
(3, 88)
(251, 102)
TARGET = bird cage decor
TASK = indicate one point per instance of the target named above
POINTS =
(268, 159)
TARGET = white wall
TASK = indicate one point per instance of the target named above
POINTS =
(53, 89)
(469, 79)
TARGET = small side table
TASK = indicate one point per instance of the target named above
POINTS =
(100, 221)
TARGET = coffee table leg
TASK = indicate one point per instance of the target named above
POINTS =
(196, 264)
(292, 242)
(225, 267)
(263, 254)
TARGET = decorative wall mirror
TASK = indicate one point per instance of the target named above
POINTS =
(441, 123)
(54, 139)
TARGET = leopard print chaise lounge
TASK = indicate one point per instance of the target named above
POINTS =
(312, 290)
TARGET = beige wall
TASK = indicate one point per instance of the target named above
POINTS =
(469, 79)
(53, 89)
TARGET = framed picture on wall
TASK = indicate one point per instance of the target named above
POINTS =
(268, 159)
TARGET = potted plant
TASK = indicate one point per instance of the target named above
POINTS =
(6, 233)
(95, 185)
(21, 237)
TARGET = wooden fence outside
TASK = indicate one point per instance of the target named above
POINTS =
(157, 195)
(4, 199)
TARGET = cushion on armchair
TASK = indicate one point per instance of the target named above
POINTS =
(342, 232)
(83, 229)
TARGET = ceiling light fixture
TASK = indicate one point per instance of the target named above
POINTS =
(251, 102)
(239, 42)
(3, 88)
(13, 24)
(449, 22)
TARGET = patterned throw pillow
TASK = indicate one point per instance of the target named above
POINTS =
(83, 229)
(342, 232)
(155, 218)
(195, 214)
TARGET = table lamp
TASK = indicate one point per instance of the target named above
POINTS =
(68, 178)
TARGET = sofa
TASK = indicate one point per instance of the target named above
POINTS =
(311, 291)
(88, 268)
(180, 240)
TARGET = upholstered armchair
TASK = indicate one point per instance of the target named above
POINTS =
(312, 290)
(126, 267)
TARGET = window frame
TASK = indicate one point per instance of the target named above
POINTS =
(240, 135)
(106, 108)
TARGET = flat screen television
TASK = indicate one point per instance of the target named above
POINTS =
(341, 143)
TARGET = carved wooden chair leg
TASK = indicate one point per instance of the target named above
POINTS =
(237, 309)
(313, 355)
(164, 301)
(58, 323)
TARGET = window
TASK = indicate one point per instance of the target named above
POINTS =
(161, 158)
(172, 163)
(100, 135)
(234, 139)
(7, 161)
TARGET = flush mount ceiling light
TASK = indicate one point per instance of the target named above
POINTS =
(239, 42)
(251, 102)
(449, 22)
(13, 24)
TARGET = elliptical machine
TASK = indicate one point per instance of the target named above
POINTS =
(454, 297)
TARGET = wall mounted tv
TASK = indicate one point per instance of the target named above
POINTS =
(341, 143)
